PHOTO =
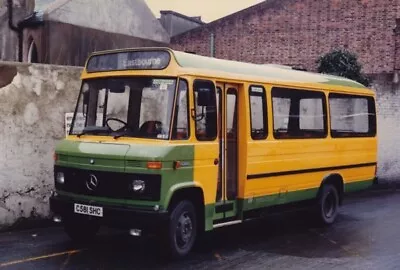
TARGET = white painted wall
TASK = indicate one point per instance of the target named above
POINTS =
(32, 109)
(388, 110)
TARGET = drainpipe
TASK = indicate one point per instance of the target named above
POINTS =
(212, 45)
(18, 29)
(396, 56)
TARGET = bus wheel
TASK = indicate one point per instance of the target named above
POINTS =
(182, 230)
(328, 204)
(81, 231)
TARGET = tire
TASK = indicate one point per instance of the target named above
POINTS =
(81, 231)
(182, 230)
(328, 204)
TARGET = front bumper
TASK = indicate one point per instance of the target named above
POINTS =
(113, 216)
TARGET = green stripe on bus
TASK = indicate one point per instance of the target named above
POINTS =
(357, 186)
(295, 196)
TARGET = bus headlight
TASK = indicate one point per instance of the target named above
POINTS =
(138, 186)
(60, 178)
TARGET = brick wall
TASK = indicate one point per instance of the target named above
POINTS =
(296, 32)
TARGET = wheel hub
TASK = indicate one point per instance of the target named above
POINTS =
(184, 230)
(329, 205)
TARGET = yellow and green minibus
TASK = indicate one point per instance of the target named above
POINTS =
(178, 144)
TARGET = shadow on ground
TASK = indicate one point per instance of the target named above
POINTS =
(288, 234)
(366, 228)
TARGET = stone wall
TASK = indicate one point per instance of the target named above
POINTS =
(33, 100)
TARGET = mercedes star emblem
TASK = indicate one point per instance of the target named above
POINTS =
(92, 182)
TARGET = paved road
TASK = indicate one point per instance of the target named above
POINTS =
(366, 236)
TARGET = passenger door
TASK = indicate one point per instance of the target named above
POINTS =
(227, 190)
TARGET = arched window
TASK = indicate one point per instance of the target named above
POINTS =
(32, 52)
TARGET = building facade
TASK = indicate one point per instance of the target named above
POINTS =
(65, 32)
(176, 23)
(8, 38)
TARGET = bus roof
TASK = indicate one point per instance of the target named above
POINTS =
(246, 71)
(267, 71)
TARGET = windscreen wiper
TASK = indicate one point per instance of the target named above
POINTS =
(125, 132)
(93, 130)
(120, 135)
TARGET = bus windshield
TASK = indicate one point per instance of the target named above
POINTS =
(129, 106)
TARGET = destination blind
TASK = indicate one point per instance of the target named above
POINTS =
(132, 60)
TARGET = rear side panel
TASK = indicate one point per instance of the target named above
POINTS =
(288, 171)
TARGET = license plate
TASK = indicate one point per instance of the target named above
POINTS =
(88, 210)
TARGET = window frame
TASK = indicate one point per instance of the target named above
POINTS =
(309, 92)
(233, 92)
(208, 139)
(370, 105)
(176, 111)
(263, 95)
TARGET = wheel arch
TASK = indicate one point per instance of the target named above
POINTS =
(335, 179)
(192, 192)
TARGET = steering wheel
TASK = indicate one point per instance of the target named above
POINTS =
(118, 120)
(151, 128)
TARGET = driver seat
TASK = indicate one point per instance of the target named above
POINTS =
(151, 128)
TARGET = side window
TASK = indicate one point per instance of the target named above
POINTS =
(281, 111)
(258, 115)
(352, 116)
(299, 113)
(231, 113)
(205, 111)
(311, 114)
(181, 123)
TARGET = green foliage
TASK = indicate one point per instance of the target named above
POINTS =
(341, 62)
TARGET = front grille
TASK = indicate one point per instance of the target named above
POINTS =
(110, 184)
(134, 163)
